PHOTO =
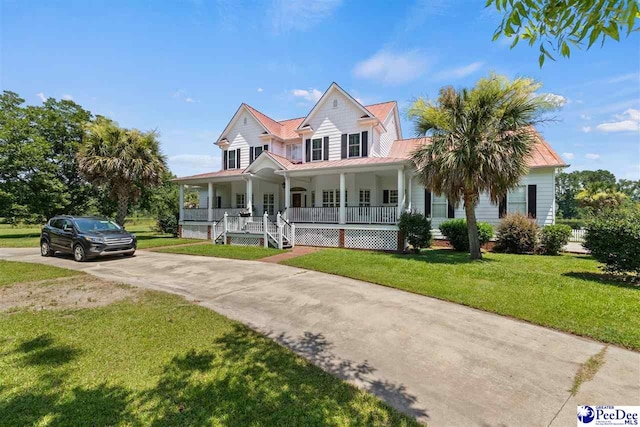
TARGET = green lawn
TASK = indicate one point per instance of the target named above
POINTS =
(19, 237)
(566, 292)
(158, 360)
(14, 272)
(224, 251)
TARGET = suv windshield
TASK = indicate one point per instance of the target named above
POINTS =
(91, 224)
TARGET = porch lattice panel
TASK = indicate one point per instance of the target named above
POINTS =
(194, 231)
(317, 237)
(244, 241)
(371, 239)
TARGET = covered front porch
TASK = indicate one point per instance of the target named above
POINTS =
(305, 197)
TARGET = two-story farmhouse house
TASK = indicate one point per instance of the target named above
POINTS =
(341, 176)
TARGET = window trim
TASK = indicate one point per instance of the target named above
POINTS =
(231, 157)
(366, 204)
(244, 200)
(289, 152)
(272, 204)
(391, 193)
(349, 135)
(313, 150)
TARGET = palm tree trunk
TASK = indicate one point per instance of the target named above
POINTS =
(472, 228)
(123, 206)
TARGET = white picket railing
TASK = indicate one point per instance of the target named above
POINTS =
(578, 235)
(371, 215)
(202, 214)
(314, 215)
(271, 232)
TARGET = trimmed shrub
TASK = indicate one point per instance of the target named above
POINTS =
(614, 239)
(517, 234)
(416, 229)
(168, 224)
(553, 238)
(455, 230)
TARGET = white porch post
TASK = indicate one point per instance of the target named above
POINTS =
(249, 201)
(210, 202)
(265, 231)
(181, 201)
(409, 202)
(287, 195)
(401, 198)
(343, 200)
(215, 197)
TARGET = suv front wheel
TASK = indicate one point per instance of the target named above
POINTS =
(45, 249)
(78, 253)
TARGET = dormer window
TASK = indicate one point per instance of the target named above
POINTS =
(335, 103)
(354, 145)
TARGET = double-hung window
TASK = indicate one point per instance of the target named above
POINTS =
(393, 197)
(316, 149)
(294, 152)
(365, 198)
(269, 203)
(327, 199)
(240, 200)
(231, 159)
(354, 145)
(256, 152)
(439, 206)
(517, 200)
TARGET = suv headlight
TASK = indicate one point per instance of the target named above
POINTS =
(93, 239)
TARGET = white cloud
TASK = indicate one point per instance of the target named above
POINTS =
(629, 121)
(459, 72)
(311, 95)
(555, 99)
(592, 156)
(568, 156)
(260, 89)
(41, 96)
(182, 95)
(67, 97)
(392, 67)
(585, 117)
(624, 78)
(195, 161)
(586, 129)
(287, 15)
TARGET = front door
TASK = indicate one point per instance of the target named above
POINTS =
(297, 200)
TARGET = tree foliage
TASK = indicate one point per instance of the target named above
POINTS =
(121, 160)
(560, 25)
(38, 170)
(480, 140)
(614, 239)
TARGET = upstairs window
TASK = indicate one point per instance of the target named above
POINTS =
(335, 103)
(354, 145)
(257, 151)
(294, 152)
(232, 160)
(316, 149)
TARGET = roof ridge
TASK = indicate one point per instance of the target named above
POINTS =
(261, 113)
(288, 120)
(380, 103)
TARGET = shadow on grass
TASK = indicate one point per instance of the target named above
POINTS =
(241, 379)
(606, 279)
(154, 237)
(438, 256)
(19, 236)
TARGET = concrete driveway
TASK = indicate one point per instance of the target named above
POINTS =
(443, 363)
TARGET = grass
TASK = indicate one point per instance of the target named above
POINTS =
(15, 272)
(224, 251)
(588, 370)
(161, 361)
(29, 236)
(565, 292)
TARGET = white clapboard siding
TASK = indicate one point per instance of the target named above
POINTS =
(243, 135)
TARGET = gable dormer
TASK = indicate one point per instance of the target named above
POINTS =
(338, 127)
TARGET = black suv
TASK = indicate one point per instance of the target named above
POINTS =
(85, 237)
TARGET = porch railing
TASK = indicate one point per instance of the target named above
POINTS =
(202, 214)
(371, 214)
(280, 234)
(319, 215)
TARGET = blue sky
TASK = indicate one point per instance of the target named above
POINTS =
(184, 67)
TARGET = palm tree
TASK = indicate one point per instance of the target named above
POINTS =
(122, 161)
(480, 141)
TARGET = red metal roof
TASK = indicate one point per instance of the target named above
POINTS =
(381, 110)
(228, 172)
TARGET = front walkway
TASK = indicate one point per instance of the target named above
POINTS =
(444, 363)
(294, 253)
